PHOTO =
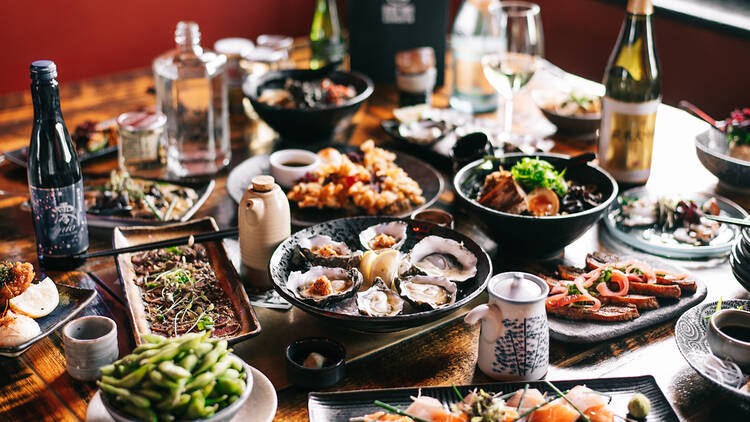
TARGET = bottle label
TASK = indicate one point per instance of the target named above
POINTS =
(626, 139)
(60, 220)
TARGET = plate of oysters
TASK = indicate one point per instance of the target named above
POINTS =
(379, 274)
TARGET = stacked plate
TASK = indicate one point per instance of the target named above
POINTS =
(740, 259)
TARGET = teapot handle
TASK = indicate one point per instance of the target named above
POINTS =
(490, 311)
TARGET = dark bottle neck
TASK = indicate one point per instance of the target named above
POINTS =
(45, 96)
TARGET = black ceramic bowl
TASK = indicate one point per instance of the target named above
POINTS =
(538, 236)
(344, 313)
(712, 149)
(739, 261)
(332, 371)
(303, 125)
(571, 125)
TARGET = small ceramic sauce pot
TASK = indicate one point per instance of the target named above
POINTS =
(724, 345)
(90, 343)
(514, 338)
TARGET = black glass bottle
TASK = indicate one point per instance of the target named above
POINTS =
(55, 181)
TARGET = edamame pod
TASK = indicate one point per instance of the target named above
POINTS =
(153, 338)
(211, 357)
(189, 362)
(196, 407)
(142, 414)
(200, 381)
(173, 371)
(230, 386)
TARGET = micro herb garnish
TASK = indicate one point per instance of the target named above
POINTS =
(532, 173)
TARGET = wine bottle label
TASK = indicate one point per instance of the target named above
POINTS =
(626, 139)
(60, 220)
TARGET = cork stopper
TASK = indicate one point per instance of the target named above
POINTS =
(640, 7)
(263, 183)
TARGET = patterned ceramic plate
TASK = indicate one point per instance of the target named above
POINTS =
(340, 407)
(690, 334)
(654, 241)
(428, 178)
(344, 313)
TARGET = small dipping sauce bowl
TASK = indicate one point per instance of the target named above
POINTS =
(333, 367)
(435, 216)
(90, 343)
(728, 336)
(290, 165)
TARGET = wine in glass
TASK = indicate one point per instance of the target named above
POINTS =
(519, 25)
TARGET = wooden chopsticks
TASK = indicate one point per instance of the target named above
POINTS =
(729, 220)
(177, 241)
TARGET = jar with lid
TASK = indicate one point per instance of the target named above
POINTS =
(191, 90)
(233, 49)
(142, 143)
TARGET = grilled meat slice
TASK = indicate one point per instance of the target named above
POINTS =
(502, 193)
(567, 272)
(608, 313)
(670, 291)
(597, 259)
(640, 301)
(687, 286)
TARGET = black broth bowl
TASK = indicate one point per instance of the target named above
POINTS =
(538, 236)
(308, 125)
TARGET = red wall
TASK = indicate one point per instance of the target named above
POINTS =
(87, 38)
(90, 38)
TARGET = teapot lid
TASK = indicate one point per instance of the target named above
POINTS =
(263, 183)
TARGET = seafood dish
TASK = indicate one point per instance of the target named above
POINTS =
(575, 104)
(672, 218)
(381, 281)
(125, 196)
(90, 136)
(531, 187)
(579, 403)
(22, 301)
(379, 274)
(181, 293)
(307, 94)
(737, 127)
(611, 289)
(367, 180)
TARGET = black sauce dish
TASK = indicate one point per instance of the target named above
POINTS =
(531, 236)
(333, 368)
(303, 125)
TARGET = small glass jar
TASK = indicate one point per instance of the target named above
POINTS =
(415, 76)
(233, 49)
(142, 142)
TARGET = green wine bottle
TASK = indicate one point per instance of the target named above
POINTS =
(326, 42)
(633, 94)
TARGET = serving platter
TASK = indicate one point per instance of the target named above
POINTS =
(20, 156)
(221, 264)
(341, 407)
(690, 335)
(428, 178)
(72, 301)
(202, 188)
(344, 313)
(649, 240)
(570, 331)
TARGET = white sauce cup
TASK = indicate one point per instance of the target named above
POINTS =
(290, 165)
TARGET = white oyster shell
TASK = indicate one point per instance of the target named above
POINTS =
(426, 291)
(343, 284)
(379, 301)
(438, 256)
(395, 229)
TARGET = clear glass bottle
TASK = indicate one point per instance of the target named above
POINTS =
(191, 90)
(474, 35)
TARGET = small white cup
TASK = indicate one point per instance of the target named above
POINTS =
(290, 165)
(90, 343)
(514, 339)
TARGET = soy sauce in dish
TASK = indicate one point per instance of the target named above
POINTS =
(295, 164)
(738, 332)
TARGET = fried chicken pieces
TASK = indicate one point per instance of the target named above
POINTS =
(15, 278)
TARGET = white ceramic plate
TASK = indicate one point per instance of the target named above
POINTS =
(259, 407)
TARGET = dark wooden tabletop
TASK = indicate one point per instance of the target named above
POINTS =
(36, 386)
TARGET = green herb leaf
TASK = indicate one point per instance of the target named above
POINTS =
(532, 173)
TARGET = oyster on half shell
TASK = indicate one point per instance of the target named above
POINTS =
(382, 236)
(379, 301)
(438, 256)
(324, 285)
(324, 251)
(428, 292)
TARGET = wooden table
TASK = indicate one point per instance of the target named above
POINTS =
(37, 387)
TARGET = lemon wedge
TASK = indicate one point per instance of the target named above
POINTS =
(410, 114)
(37, 301)
(386, 266)
(365, 266)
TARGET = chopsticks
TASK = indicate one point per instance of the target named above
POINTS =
(177, 241)
(729, 220)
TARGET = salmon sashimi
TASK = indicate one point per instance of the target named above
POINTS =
(386, 417)
(555, 411)
(432, 409)
(599, 414)
(532, 398)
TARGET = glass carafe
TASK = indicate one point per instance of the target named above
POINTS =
(191, 90)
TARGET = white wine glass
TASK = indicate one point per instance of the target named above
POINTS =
(518, 25)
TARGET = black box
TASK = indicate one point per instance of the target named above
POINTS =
(380, 28)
